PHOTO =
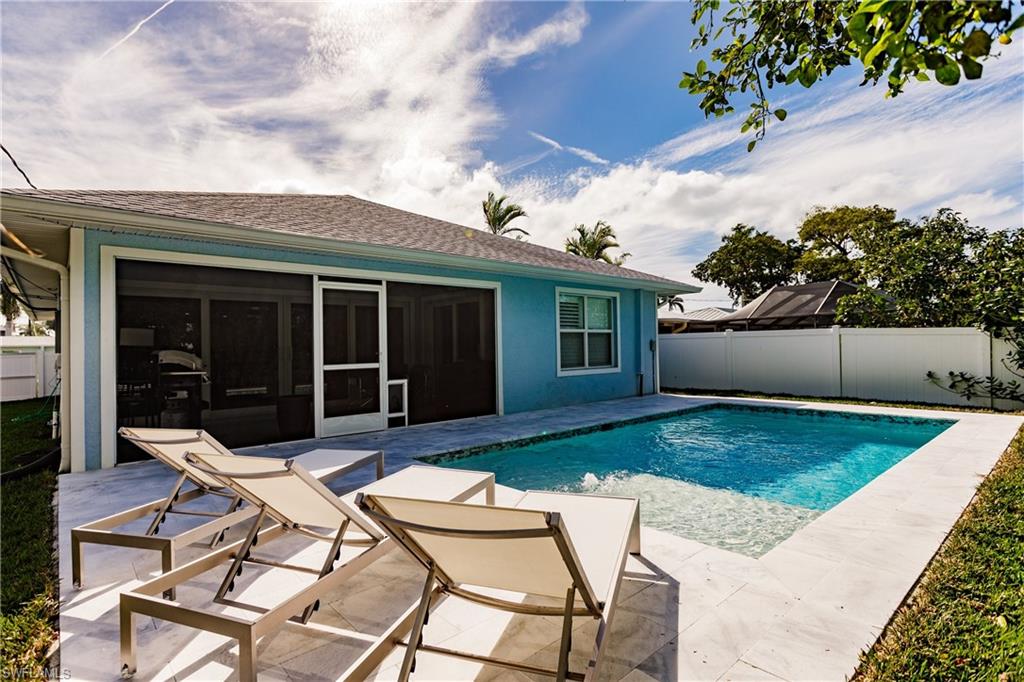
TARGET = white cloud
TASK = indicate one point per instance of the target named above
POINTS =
(390, 102)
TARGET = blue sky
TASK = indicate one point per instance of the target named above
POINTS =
(572, 109)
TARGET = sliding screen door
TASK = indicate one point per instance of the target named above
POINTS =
(351, 383)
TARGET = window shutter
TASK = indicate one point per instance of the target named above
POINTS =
(570, 312)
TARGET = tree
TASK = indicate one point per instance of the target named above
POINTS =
(923, 273)
(831, 240)
(498, 216)
(594, 243)
(774, 42)
(997, 306)
(749, 262)
(671, 302)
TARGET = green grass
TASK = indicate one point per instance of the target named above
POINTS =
(28, 571)
(965, 620)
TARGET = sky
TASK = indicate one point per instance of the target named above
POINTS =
(573, 110)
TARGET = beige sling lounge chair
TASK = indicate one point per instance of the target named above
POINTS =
(169, 446)
(569, 550)
(284, 492)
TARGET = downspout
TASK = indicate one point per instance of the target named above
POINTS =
(65, 337)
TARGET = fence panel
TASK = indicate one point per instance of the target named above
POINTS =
(28, 367)
(798, 362)
(873, 364)
(699, 360)
(892, 364)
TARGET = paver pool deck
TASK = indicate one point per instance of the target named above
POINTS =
(802, 611)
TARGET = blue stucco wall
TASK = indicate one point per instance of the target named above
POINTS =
(529, 363)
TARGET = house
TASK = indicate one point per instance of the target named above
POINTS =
(795, 306)
(271, 317)
(700, 320)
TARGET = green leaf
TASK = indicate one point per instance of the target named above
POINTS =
(921, 76)
(857, 27)
(972, 69)
(1017, 23)
(949, 74)
(750, 145)
(808, 75)
(701, 67)
(978, 44)
(780, 114)
(878, 48)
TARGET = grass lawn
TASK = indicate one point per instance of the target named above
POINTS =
(28, 571)
(965, 620)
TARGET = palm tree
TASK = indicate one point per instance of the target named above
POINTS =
(594, 242)
(498, 215)
(673, 302)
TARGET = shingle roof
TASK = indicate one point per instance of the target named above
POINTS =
(342, 218)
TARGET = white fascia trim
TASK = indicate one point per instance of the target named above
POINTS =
(74, 390)
(121, 220)
(617, 331)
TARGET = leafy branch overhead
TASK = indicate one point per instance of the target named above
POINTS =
(773, 42)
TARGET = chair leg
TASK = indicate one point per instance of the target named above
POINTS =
(563, 652)
(154, 526)
(167, 565)
(416, 635)
(243, 550)
(77, 563)
(247, 658)
(128, 664)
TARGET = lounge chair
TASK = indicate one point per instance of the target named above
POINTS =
(169, 446)
(569, 550)
(284, 492)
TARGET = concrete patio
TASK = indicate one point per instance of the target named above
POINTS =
(803, 611)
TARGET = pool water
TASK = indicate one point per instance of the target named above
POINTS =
(735, 477)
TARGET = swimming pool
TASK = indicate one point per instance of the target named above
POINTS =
(735, 477)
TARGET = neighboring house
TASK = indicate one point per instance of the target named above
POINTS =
(797, 306)
(700, 320)
(271, 317)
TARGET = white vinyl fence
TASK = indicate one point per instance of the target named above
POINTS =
(874, 364)
(28, 367)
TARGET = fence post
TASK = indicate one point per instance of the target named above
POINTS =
(729, 359)
(837, 361)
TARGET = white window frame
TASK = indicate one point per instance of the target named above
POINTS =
(616, 333)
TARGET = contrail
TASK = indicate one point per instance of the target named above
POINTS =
(136, 29)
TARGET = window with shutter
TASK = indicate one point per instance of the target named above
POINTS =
(587, 328)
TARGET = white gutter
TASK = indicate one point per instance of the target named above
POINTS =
(64, 306)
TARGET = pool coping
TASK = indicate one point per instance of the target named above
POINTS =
(850, 569)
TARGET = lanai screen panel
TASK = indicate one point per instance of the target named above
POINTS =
(223, 349)
(441, 339)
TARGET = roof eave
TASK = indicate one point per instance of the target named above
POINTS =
(120, 219)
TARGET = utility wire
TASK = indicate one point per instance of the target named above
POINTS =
(15, 162)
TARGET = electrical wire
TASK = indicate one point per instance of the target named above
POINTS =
(15, 162)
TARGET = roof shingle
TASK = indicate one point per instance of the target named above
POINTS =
(342, 218)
